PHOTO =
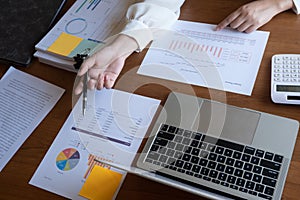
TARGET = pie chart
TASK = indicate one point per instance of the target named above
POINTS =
(67, 159)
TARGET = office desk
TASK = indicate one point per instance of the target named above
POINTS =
(284, 38)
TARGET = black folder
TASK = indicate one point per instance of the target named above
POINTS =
(22, 24)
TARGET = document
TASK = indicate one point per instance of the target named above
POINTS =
(85, 25)
(111, 130)
(194, 53)
(25, 101)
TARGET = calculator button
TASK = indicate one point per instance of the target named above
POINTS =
(277, 66)
(278, 79)
(279, 70)
(294, 80)
(285, 57)
(278, 60)
(277, 75)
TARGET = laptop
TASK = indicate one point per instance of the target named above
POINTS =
(217, 150)
(23, 24)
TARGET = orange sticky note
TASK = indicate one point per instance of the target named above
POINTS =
(101, 184)
(65, 44)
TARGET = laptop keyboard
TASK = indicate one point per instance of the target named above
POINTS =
(240, 167)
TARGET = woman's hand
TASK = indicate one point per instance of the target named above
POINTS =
(251, 16)
(106, 64)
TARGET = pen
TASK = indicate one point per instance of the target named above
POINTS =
(79, 58)
(84, 93)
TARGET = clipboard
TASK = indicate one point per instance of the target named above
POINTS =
(23, 24)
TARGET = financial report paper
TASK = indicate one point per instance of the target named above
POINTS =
(111, 131)
(193, 53)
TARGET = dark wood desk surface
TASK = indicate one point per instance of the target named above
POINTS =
(284, 38)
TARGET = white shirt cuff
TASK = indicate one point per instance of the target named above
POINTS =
(296, 7)
(138, 31)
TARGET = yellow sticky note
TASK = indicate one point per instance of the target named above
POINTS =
(65, 44)
(101, 184)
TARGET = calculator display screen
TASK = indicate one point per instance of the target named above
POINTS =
(288, 88)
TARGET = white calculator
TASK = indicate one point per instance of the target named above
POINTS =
(285, 78)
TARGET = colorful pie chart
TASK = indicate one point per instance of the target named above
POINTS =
(67, 159)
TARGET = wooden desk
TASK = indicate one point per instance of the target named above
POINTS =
(284, 38)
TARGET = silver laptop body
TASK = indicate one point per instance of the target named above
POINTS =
(267, 141)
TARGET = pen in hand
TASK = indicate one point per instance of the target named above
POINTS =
(84, 93)
(79, 58)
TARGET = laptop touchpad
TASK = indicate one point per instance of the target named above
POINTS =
(228, 122)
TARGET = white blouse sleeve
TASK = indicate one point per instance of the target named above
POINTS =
(144, 16)
(296, 7)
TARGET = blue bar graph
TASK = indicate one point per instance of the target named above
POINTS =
(92, 4)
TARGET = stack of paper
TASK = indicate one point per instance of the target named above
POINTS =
(83, 28)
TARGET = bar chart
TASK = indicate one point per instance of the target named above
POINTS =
(88, 5)
(216, 51)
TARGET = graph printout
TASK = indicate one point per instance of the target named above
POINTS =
(93, 20)
(111, 131)
(194, 53)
